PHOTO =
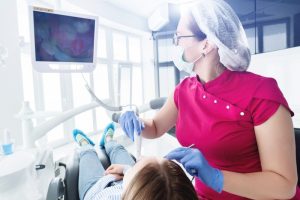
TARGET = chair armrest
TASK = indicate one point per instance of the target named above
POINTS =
(56, 189)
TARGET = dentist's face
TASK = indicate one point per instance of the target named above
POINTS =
(128, 176)
(193, 47)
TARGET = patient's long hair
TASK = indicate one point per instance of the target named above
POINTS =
(160, 181)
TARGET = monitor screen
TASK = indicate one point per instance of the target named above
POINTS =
(63, 38)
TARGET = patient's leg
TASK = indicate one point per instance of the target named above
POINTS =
(90, 169)
(118, 154)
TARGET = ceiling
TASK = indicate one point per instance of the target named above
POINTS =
(142, 8)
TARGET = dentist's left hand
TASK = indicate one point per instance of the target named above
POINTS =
(196, 165)
(130, 123)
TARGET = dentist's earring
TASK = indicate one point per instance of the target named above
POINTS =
(204, 49)
(208, 47)
(205, 45)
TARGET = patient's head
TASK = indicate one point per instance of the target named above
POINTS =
(157, 179)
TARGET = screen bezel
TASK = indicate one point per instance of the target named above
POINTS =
(57, 66)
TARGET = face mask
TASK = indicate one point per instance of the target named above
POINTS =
(179, 61)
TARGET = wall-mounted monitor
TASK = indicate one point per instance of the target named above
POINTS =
(63, 41)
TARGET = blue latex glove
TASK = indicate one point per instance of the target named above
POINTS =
(196, 165)
(130, 123)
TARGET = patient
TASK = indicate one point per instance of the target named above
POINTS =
(150, 178)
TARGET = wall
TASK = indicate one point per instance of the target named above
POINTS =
(11, 89)
(283, 65)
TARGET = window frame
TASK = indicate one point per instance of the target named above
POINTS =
(259, 27)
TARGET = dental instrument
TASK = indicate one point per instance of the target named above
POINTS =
(155, 104)
(192, 170)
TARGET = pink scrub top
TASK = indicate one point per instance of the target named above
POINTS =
(219, 118)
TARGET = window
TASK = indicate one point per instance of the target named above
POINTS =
(128, 74)
(129, 84)
(165, 49)
(101, 48)
(275, 32)
(100, 78)
(102, 118)
(167, 73)
(166, 80)
(134, 50)
(119, 47)
(137, 93)
(273, 20)
(252, 39)
(125, 85)
(52, 102)
(83, 121)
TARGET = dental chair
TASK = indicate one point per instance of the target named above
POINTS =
(67, 188)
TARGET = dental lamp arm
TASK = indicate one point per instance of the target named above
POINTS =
(31, 134)
(152, 105)
(42, 129)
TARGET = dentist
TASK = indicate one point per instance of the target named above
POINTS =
(239, 122)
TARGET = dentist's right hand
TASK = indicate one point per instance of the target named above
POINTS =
(130, 123)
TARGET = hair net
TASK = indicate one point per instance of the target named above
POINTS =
(222, 27)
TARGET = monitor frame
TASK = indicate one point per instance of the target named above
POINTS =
(57, 66)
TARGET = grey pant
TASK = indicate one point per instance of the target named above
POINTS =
(90, 167)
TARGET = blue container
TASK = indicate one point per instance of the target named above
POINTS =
(7, 148)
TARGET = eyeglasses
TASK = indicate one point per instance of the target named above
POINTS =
(177, 37)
